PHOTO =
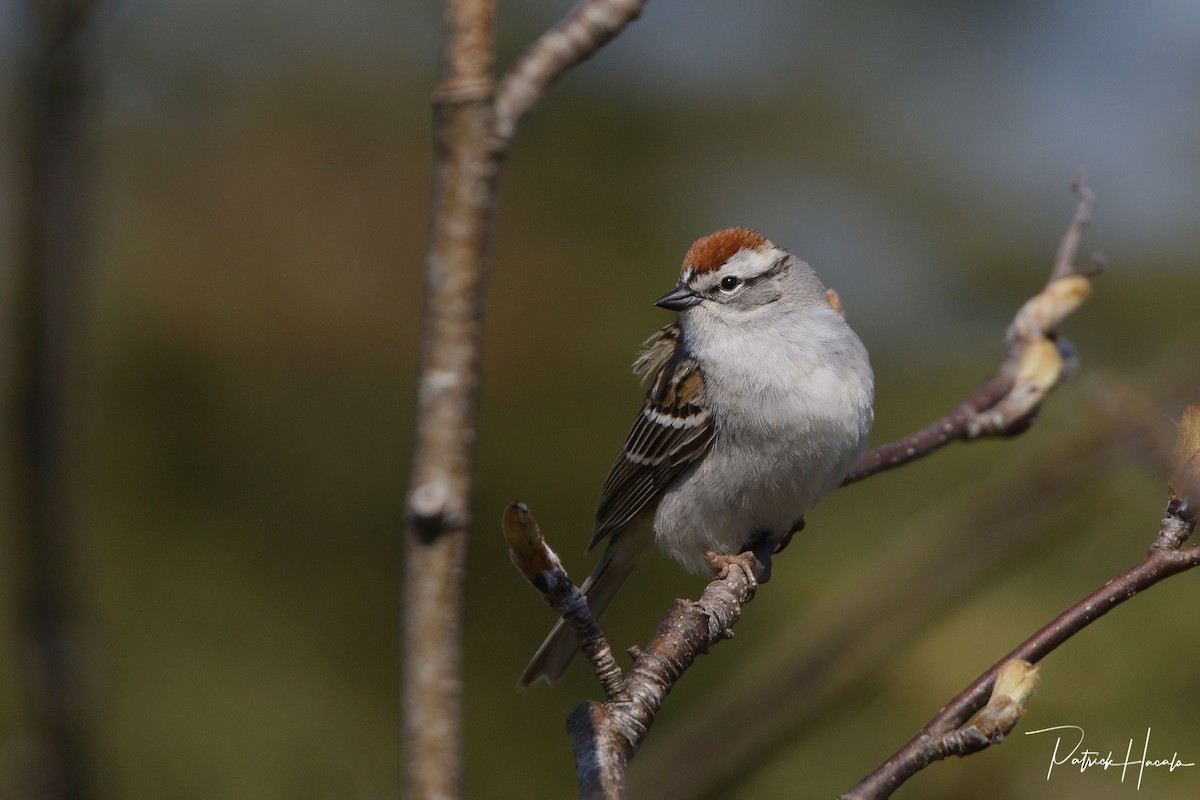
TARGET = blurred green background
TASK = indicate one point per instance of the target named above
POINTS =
(258, 218)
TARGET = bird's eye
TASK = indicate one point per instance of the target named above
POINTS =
(729, 283)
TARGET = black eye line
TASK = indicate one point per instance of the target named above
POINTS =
(776, 268)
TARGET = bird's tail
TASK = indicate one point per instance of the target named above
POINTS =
(618, 561)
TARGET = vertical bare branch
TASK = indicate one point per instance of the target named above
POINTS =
(469, 153)
(48, 307)
(448, 391)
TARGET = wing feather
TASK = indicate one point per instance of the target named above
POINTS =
(673, 429)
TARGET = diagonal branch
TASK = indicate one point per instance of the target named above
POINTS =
(542, 567)
(1035, 363)
(607, 735)
(1166, 557)
(587, 28)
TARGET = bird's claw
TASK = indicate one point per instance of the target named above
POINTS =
(721, 563)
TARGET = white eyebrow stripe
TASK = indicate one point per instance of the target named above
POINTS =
(750, 265)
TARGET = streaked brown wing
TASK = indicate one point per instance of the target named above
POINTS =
(673, 429)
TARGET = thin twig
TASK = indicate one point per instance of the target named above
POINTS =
(1036, 361)
(1166, 557)
(581, 33)
(543, 568)
(1068, 248)
(606, 735)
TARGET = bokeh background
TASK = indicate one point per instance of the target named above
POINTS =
(257, 216)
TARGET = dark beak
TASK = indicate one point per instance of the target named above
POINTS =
(680, 298)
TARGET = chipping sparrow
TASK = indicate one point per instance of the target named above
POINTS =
(759, 403)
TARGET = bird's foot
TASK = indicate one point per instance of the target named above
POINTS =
(751, 562)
